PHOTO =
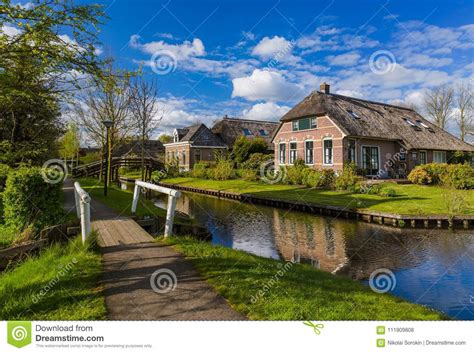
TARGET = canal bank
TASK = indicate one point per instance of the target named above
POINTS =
(383, 218)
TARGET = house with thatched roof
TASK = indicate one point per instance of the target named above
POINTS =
(193, 144)
(327, 130)
(229, 129)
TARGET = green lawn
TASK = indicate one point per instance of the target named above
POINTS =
(58, 284)
(409, 200)
(254, 286)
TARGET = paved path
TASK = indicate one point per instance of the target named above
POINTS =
(127, 278)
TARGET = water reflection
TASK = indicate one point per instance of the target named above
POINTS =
(432, 267)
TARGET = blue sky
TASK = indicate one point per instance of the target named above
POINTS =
(257, 59)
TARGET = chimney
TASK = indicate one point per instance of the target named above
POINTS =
(324, 88)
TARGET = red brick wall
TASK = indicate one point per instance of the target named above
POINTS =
(325, 129)
(207, 154)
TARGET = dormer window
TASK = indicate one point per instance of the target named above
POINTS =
(175, 136)
(263, 132)
(353, 114)
(247, 132)
(419, 122)
(409, 122)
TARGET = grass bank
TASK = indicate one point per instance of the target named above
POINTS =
(58, 284)
(266, 289)
(409, 200)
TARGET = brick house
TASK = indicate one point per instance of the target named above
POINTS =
(328, 130)
(193, 144)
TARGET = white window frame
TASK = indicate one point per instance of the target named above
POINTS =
(306, 155)
(362, 157)
(280, 155)
(332, 152)
(293, 160)
(442, 153)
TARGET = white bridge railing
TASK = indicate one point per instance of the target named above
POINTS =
(83, 210)
(172, 196)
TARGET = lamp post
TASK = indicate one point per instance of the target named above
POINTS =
(108, 124)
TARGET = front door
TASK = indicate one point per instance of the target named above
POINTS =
(422, 157)
(370, 160)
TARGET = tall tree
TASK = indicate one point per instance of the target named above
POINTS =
(69, 143)
(164, 138)
(438, 104)
(106, 99)
(145, 112)
(39, 66)
(464, 107)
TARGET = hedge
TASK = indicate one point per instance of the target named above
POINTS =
(457, 176)
(4, 170)
(29, 199)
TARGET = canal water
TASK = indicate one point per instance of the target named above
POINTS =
(431, 267)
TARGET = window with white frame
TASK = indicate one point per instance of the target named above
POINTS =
(293, 152)
(308, 146)
(282, 150)
(327, 152)
(439, 156)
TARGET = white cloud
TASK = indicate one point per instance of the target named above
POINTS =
(181, 51)
(266, 111)
(269, 47)
(10, 31)
(265, 85)
(346, 59)
(413, 59)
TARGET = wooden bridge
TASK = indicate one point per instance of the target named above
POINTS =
(97, 168)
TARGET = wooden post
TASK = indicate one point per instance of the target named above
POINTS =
(76, 199)
(83, 203)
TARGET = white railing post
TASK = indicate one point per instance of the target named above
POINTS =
(170, 215)
(83, 210)
(172, 196)
(136, 194)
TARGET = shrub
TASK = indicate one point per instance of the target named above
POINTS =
(294, 173)
(210, 173)
(348, 178)
(458, 176)
(244, 147)
(224, 169)
(157, 175)
(200, 170)
(90, 158)
(256, 160)
(4, 170)
(29, 199)
(419, 176)
(248, 174)
(312, 178)
(328, 177)
(388, 192)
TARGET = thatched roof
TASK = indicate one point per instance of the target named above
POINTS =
(229, 129)
(362, 118)
(199, 135)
